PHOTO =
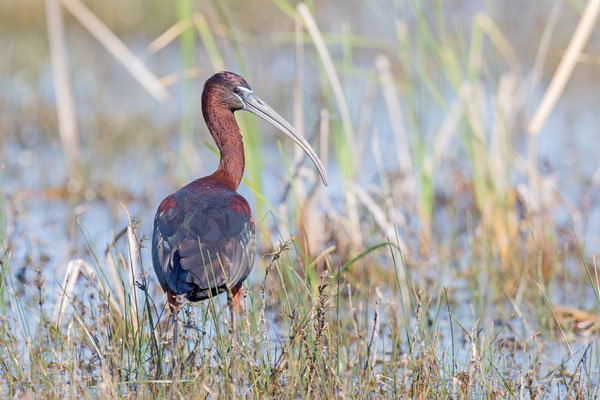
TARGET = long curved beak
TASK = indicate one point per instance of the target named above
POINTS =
(258, 107)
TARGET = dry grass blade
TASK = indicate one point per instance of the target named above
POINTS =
(171, 79)
(67, 123)
(71, 275)
(118, 50)
(447, 131)
(167, 37)
(499, 40)
(338, 94)
(114, 276)
(307, 214)
(540, 57)
(321, 256)
(324, 136)
(382, 65)
(298, 99)
(112, 269)
(334, 80)
(472, 99)
(68, 281)
(566, 66)
(133, 273)
(378, 214)
(506, 105)
(532, 161)
(588, 58)
(298, 82)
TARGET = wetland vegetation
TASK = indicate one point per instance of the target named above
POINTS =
(454, 254)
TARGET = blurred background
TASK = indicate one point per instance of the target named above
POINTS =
(423, 111)
(411, 159)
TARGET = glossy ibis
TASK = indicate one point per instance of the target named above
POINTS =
(204, 240)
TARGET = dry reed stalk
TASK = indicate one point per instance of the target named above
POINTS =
(112, 270)
(533, 175)
(538, 66)
(398, 219)
(383, 68)
(298, 122)
(365, 117)
(74, 268)
(445, 133)
(190, 73)
(334, 81)
(306, 212)
(167, 37)
(356, 238)
(114, 276)
(71, 275)
(67, 124)
(321, 256)
(472, 100)
(117, 49)
(133, 273)
(378, 214)
(324, 136)
(316, 236)
(474, 112)
(338, 94)
(506, 104)
(586, 58)
(298, 118)
(566, 66)
(488, 26)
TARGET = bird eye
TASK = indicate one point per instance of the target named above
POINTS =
(237, 90)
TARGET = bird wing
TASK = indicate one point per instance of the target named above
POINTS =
(204, 242)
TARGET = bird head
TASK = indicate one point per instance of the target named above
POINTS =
(233, 92)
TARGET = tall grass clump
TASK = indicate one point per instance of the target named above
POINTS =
(296, 338)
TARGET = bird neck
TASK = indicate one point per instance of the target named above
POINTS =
(226, 133)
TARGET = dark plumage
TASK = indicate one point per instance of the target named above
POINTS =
(204, 240)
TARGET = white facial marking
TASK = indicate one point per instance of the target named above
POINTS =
(245, 89)
(241, 101)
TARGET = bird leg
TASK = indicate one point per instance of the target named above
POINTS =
(174, 305)
(234, 298)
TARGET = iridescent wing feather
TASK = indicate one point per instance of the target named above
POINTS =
(204, 240)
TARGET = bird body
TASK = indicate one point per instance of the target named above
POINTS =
(204, 240)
